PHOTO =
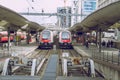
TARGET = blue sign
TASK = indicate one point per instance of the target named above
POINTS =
(89, 5)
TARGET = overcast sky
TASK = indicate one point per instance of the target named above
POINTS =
(36, 6)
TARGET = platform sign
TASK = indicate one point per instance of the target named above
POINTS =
(88, 6)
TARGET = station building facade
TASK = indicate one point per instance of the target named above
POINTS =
(64, 20)
(83, 7)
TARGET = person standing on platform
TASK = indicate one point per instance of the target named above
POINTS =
(111, 43)
(119, 53)
(28, 38)
(103, 43)
(36, 38)
(87, 44)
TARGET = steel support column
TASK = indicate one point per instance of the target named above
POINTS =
(8, 46)
(100, 40)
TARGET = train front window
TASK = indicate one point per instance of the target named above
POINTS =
(65, 35)
(46, 35)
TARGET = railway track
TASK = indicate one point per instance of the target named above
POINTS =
(46, 57)
(60, 72)
(42, 56)
(39, 55)
(75, 70)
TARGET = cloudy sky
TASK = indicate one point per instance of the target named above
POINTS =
(49, 6)
(38, 5)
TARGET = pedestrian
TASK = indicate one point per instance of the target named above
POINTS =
(119, 53)
(36, 38)
(28, 38)
(111, 43)
(87, 44)
(103, 43)
(108, 43)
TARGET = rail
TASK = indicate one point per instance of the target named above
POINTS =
(40, 65)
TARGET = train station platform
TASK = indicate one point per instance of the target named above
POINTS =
(79, 78)
(19, 78)
(93, 49)
(17, 51)
(109, 57)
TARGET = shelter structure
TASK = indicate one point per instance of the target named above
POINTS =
(100, 20)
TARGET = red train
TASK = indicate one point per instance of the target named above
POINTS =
(4, 36)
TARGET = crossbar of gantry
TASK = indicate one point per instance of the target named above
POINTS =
(51, 14)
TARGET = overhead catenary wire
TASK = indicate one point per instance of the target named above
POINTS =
(31, 5)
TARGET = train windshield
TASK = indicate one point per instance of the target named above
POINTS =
(46, 35)
(65, 35)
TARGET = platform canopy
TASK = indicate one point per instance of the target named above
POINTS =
(33, 26)
(102, 18)
(15, 21)
(11, 18)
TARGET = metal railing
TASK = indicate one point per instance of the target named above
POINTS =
(107, 56)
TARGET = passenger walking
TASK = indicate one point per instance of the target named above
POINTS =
(77, 39)
(119, 53)
(111, 43)
(36, 38)
(87, 44)
(108, 43)
(74, 36)
(28, 38)
(103, 43)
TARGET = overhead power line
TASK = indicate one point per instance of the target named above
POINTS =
(31, 5)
